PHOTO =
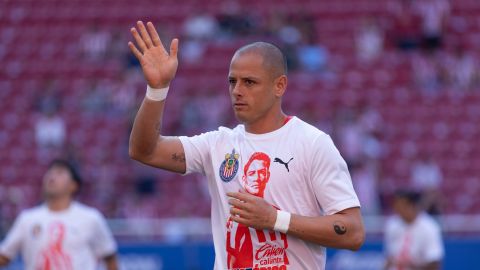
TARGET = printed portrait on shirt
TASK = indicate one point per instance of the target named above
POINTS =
(249, 248)
(54, 256)
(256, 174)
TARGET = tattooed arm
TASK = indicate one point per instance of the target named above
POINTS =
(147, 145)
(341, 230)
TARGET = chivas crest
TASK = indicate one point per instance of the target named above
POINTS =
(229, 167)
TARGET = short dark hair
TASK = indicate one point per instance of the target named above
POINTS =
(411, 196)
(68, 166)
(273, 57)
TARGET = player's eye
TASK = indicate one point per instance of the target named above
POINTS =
(249, 82)
(231, 81)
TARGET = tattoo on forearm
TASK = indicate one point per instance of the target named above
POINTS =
(339, 227)
(180, 157)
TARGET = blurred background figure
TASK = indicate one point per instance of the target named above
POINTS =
(405, 30)
(50, 135)
(95, 43)
(435, 15)
(462, 69)
(61, 233)
(369, 40)
(413, 240)
(427, 179)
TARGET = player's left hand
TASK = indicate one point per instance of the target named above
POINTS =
(251, 211)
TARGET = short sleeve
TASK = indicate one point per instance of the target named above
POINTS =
(103, 243)
(197, 150)
(331, 180)
(433, 244)
(13, 241)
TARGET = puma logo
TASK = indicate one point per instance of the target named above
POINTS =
(282, 162)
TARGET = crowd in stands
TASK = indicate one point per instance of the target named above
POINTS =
(386, 79)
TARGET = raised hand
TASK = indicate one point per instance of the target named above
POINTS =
(159, 66)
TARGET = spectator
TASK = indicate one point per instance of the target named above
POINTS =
(350, 137)
(461, 69)
(426, 72)
(435, 14)
(95, 43)
(193, 50)
(369, 41)
(201, 26)
(50, 131)
(371, 123)
(406, 24)
(364, 177)
(427, 178)
(289, 36)
(289, 33)
(234, 22)
(312, 57)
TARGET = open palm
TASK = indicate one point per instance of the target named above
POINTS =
(159, 66)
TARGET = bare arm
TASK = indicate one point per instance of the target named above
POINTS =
(4, 261)
(341, 230)
(147, 145)
(111, 262)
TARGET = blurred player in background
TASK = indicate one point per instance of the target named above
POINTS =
(413, 239)
(308, 179)
(60, 234)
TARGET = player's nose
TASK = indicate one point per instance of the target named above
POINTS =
(237, 90)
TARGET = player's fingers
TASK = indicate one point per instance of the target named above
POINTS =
(145, 36)
(174, 48)
(138, 39)
(240, 220)
(237, 203)
(233, 211)
(154, 35)
(135, 51)
(234, 195)
(241, 196)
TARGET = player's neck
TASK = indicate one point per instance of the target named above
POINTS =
(58, 204)
(267, 124)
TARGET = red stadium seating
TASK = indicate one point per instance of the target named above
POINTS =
(39, 39)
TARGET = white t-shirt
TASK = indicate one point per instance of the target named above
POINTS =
(295, 168)
(73, 239)
(418, 243)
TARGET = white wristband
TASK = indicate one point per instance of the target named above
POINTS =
(156, 94)
(283, 221)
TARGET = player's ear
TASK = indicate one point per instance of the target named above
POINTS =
(280, 85)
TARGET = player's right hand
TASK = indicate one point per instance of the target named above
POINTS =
(159, 66)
